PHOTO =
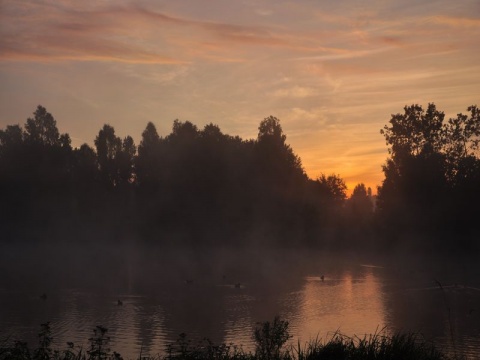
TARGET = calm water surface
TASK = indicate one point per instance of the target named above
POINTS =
(169, 297)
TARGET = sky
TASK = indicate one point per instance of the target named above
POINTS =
(333, 72)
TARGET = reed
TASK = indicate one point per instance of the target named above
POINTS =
(270, 340)
(372, 347)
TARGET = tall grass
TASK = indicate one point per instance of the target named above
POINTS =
(270, 344)
(372, 347)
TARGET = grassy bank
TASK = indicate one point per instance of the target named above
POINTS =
(270, 343)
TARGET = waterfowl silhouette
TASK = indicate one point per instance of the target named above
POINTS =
(238, 286)
(119, 302)
(322, 278)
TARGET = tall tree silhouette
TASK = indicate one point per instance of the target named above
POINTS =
(36, 169)
(148, 160)
(126, 161)
(276, 162)
(108, 147)
(42, 128)
(278, 181)
(359, 212)
(431, 162)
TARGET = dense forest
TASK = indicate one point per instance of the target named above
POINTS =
(201, 187)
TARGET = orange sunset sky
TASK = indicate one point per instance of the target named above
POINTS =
(333, 72)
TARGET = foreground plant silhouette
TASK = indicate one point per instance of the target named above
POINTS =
(270, 338)
(98, 349)
(270, 343)
(375, 346)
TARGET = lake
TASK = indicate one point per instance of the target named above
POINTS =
(223, 294)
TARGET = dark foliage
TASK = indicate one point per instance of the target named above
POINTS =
(432, 179)
(194, 186)
(201, 187)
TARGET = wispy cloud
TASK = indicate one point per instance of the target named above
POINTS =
(458, 22)
(125, 34)
(82, 51)
(131, 33)
(74, 35)
(347, 54)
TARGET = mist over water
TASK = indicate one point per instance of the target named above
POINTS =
(222, 293)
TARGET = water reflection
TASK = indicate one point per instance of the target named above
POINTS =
(349, 303)
(352, 299)
(446, 315)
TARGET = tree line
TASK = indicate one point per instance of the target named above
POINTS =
(202, 187)
(195, 186)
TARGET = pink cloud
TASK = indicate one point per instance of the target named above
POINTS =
(131, 34)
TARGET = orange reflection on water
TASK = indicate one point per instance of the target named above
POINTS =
(351, 304)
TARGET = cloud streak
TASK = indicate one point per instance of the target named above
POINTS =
(132, 33)
(458, 22)
(125, 34)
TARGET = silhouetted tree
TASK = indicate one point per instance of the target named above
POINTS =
(42, 128)
(125, 160)
(360, 213)
(324, 210)
(461, 141)
(274, 155)
(415, 131)
(333, 188)
(148, 159)
(35, 173)
(86, 171)
(108, 147)
(361, 199)
(426, 174)
(10, 137)
(278, 180)
(213, 164)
